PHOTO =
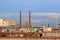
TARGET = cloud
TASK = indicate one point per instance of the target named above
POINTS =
(50, 15)
(25, 16)
(36, 20)
(9, 16)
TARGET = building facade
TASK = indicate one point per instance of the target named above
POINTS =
(4, 22)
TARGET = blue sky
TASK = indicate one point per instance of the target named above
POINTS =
(42, 11)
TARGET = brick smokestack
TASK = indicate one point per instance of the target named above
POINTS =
(20, 19)
(30, 19)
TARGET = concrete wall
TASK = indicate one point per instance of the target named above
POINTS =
(51, 34)
(25, 39)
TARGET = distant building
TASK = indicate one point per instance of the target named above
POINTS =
(46, 29)
(55, 30)
(4, 22)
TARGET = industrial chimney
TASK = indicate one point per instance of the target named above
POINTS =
(30, 19)
(20, 19)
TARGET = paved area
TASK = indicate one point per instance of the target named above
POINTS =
(25, 39)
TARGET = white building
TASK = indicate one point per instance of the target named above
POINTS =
(4, 22)
(46, 29)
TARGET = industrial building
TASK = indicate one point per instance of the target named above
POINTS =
(4, 22)
(26, 29)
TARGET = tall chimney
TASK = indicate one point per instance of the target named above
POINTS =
(20, 19)
(29, 19)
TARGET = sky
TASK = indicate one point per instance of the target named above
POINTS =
(42, 11)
